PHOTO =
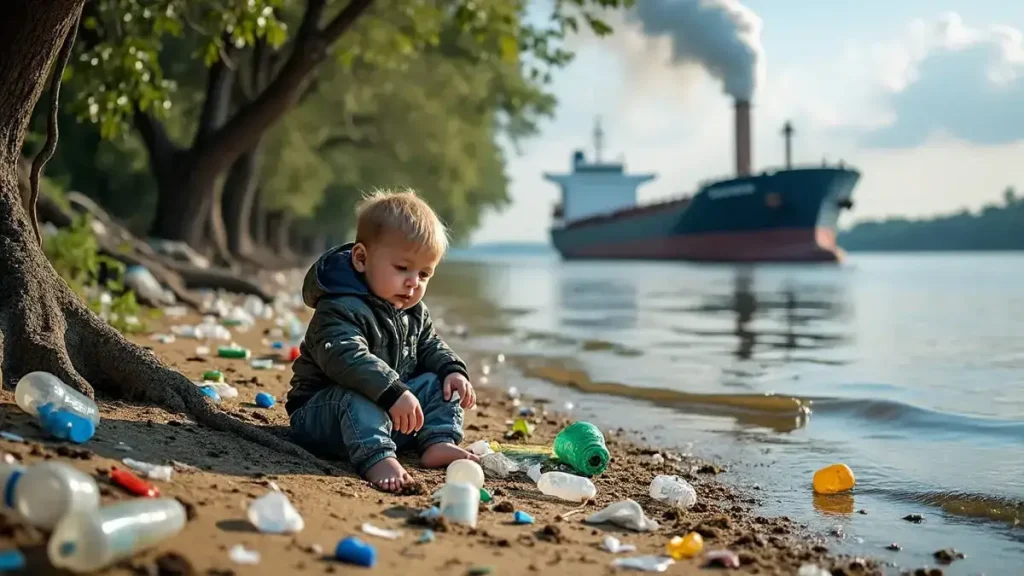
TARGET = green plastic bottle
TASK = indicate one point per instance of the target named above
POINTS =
(581, 445)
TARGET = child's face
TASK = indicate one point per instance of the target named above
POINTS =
(395, 269)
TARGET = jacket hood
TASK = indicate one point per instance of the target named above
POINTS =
(333, 275)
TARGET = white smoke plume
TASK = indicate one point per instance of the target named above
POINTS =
(721, 36)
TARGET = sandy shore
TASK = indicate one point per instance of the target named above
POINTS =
(334, 503)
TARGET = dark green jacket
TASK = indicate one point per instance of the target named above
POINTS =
(361, 342)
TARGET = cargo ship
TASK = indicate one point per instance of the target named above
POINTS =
(784, 215)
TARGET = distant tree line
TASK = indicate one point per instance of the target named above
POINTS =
(995, 227)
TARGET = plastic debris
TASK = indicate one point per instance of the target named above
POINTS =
(210, 392)
(213, 376)
(431, 513)
(480, 448)
(133, 483)
(687, 546)
(293, 353)
(561, 485)
(522, 426)
(12, 437)
(726, 558)
(812, 570)
(625, 513)
(265, 400)
(381, 532)
(520, 517)
(615, 546)
(274, 513)
(163, 338)
(11, 560)
(426, 537)
(465, 471)
(262, 364)
(202, 350)
(352, 550)
(673, 490)
(239, 554)
(497, 465)
(485, 496)
(152, 471)
(233, 352)
(644, 563)
(460, 503)
(833, 479)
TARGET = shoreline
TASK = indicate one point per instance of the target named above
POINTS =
(229, 474)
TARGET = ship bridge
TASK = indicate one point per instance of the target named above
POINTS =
(594, 188)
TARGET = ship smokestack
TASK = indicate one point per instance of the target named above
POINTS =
(787, 133)
(743, 159)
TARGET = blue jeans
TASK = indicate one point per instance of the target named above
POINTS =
(343, 422)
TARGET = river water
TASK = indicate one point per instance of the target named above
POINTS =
(908, 368)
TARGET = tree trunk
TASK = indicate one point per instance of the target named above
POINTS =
(239, 200)
(43, 324)
(279, 226)
(258, 220)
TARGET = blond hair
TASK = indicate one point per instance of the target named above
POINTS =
(400, 211)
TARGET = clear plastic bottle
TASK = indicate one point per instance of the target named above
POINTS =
(566, 486)
(90, 540)
(39, 389)
(460, 503)
(465, 471)
(673, 490)
(43, 493)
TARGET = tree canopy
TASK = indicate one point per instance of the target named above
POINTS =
(419, 93)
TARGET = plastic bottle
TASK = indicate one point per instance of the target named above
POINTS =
(566, 486)
(44, 493)
(460, 503)
(673, 490)
(37, 389)
(465, 471)
(89, 540)
(581, 445)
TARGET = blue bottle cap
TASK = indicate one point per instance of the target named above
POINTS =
(68, 426)
(211, 392)
(352, 550)
(521, 517)
(264, 400)
(11, 560)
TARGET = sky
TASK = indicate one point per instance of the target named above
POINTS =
(925, 98)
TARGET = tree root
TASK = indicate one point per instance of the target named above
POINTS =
(45, 326)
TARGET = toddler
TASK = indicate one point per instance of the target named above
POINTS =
(374, 377)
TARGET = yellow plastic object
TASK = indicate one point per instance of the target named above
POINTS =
(833, 479)
(521, 425)
(685, 546)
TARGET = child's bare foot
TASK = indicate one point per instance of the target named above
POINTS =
(443, 454)
(388, 475)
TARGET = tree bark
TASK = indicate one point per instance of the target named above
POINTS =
(258, 220)
(279, 226)
(43, 324)
(239, 197)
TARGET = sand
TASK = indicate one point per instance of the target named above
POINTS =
(229, 473)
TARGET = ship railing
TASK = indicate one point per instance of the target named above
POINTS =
(638, 209)
(769, 171)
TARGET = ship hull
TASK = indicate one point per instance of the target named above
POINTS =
(786, 216)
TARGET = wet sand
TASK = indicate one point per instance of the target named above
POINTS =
(229, 473)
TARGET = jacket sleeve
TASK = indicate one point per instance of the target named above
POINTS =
(340, 348)
(434, 355)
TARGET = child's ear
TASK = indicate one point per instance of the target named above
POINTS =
(359, 257)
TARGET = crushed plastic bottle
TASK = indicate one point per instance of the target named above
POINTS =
(626, 513)
(88, 540)
(43, 493)
(498, 465)
(566, 486)
(480, 448)
(62, 411)
(615, 546)
(674, 491)
(274, 513)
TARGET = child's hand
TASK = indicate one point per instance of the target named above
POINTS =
(456, 382)
(406, 414)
